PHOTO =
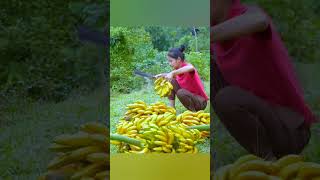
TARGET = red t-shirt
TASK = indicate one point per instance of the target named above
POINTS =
(260, 64)
(191, 81)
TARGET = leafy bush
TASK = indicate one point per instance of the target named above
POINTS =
(164, 38)
(202, 42)
(201, 61)
(128, 47)
(133, 48)
(159, 64)
(41, 56)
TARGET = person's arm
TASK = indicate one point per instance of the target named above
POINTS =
(184, 69)
(252, 21)
(160, 75)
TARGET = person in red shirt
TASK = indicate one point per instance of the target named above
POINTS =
(186, 82)
(256, 93)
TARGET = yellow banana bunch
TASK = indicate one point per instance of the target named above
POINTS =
(159, 139)
(187, 139)
(138, 109)
(164, 119)
(95, 128)
(195, 118)
(286, 168)
(82, 155)
(171, 139)
(132, 128)
(165, 138)
(293, 166)
(161, 108)
(127, 128)
(162, 87)
(156, 126)
(141, 110)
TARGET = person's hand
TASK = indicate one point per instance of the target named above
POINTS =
(160, 75)
(169, 76)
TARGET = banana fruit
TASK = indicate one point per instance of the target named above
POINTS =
(162, 87)
(252, 167)
(141, 110)
(195, 118)
(157, 126)
(82, 155)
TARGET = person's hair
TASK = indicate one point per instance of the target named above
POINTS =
(175, 53)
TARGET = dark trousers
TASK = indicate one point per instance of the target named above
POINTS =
(262, 129)
(189, 100)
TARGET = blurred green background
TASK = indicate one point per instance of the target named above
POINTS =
(50, 81)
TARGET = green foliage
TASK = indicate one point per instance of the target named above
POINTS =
(41, 57)
(164, 38)
(200, 43)
(160, 39)
(186, 40)
(298, 23)
(201, 61)
(155, 66)
(27, 132)
(128, 47)
(133, 48)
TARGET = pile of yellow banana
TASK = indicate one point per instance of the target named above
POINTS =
(139, 114)
(195, 118)
(80, 156)
(290, 167)
(159, 130)
(161, 107)
(162, 87)
(173, 138)
(140, 109)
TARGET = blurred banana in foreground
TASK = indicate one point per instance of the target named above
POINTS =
(290, 167)
(80, 156)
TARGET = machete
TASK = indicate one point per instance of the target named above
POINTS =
(150, 76)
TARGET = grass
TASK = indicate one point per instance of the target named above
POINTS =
(27, 133)
(118, 103)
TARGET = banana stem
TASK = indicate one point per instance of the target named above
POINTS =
(126, 139)
(200, 127)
